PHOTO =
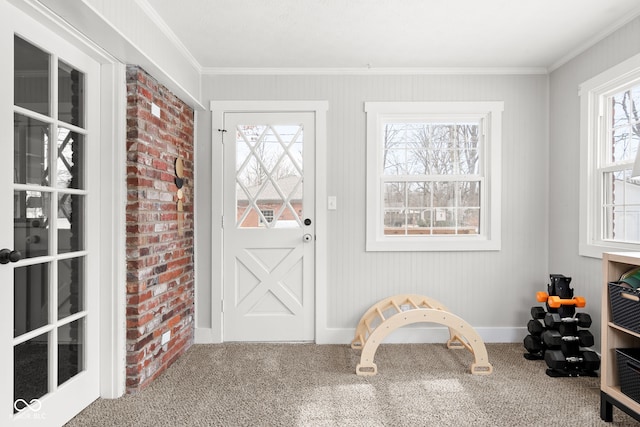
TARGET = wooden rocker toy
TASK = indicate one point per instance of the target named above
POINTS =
(391, 313)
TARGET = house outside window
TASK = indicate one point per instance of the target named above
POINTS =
(610, 134)
(433, 175)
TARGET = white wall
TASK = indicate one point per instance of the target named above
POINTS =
(493, 291)
(130, 32)
(564, 154)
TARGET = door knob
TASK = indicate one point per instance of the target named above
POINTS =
(7, 256)
(306, 238)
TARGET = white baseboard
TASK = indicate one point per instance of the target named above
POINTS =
(206, 336)
(406, 335)
(424, 335)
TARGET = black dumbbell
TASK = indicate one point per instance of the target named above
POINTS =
(537, 312)
(566, 310)
(535, 327)
(554, 339)
(587, 361)
(568, 329)
(554, 320)
(533, 344)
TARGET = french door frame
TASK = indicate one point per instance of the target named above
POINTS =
(219, 108)
(112, 268)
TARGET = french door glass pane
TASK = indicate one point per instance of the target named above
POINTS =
(70, 350)
(70, 170)
(30, 372)
(31, 77)
(31, 222)
(70, 286)
(31, 298)
(70, 223)
(30, 151)
(70, 95)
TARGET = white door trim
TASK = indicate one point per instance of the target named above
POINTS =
(113, 98)
(113, 272)
(218, 108)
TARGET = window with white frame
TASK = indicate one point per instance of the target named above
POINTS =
(433, 176)
(610, 134)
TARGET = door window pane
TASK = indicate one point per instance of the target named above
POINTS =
(70, 170)
(30, 151)
(70, 286)
(31, 77)
(31, 223)
(30, 373)
(70, 350)
(70, 223)
(70, 95)
(31, 298)
(269, 176)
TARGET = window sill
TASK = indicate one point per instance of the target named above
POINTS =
(432, 244)
(595, 250)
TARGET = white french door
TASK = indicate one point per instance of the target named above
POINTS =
(49, 249)
(269, 229)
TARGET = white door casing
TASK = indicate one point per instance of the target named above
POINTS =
(59, 314)
(269, 230)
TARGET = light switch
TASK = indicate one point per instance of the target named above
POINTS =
(332, 204)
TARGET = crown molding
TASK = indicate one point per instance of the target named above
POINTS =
(373, 71)
(594, 40)
(168, 32)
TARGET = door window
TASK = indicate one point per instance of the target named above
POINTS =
(269, 176)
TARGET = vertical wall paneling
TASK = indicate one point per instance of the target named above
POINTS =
(492, 290)
(564, 166)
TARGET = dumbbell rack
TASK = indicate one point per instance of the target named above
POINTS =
(559, 335)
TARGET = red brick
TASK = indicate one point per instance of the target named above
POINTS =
(159, 262)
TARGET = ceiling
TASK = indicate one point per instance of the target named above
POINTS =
(383, 34)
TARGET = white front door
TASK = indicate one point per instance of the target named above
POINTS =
(49, 250)
(269, 227)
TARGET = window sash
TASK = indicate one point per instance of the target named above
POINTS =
(601, 157)
(415, 231)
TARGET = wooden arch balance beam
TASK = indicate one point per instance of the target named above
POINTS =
(397, 311)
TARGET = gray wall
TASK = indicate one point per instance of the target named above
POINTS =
(564, 166)
(493, 291)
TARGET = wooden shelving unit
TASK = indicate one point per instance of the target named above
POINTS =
(614, 336)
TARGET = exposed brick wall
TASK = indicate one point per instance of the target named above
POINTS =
(160, 284)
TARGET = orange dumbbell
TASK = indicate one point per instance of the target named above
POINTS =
(557, 302)
(542, 296)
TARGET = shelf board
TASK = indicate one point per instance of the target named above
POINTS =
(614, 336)
(617, 394)
(623, 330)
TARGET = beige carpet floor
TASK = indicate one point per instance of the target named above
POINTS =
(316, 385)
